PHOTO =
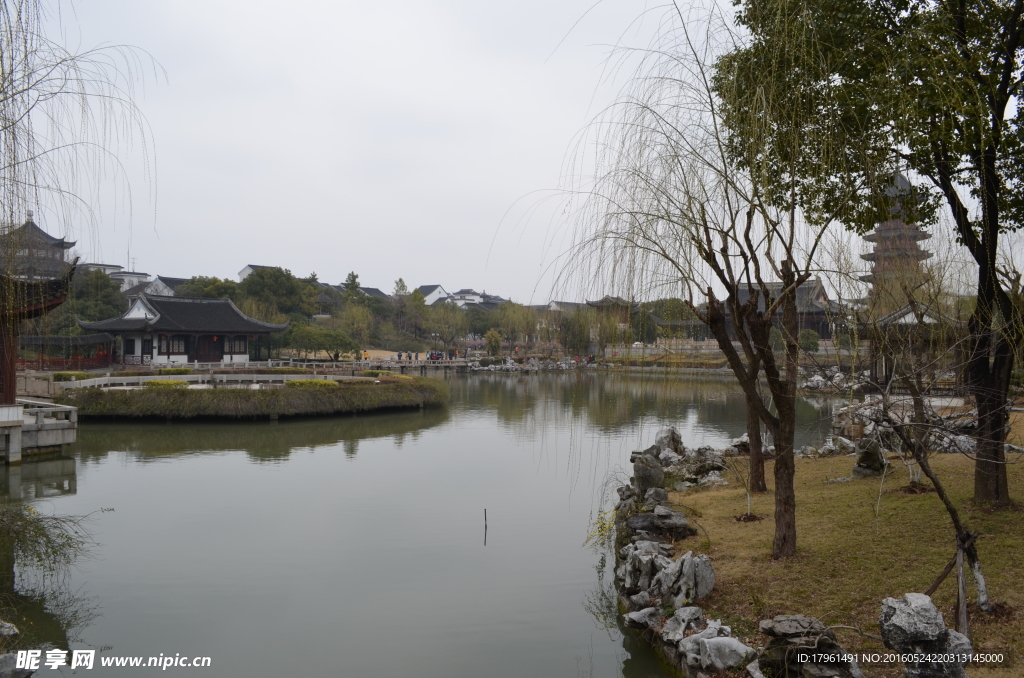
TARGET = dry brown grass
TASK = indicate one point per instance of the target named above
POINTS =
(849, 558)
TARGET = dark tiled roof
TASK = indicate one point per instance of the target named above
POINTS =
(136, 290)
(174, 314)
(807, 296)
(373, 292)
(29, 230)
(426, 289)
(173, 283)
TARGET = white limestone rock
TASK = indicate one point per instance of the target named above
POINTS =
(724, 653)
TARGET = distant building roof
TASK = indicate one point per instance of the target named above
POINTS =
(173, 283)
(810, 297)
(565, 305)
(373, 292)
(608, 301)
(29, 230)
(426, 289)
(176, 314)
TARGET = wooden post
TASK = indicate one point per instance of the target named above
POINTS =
(962, 623)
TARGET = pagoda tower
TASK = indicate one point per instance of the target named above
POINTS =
(896, 256)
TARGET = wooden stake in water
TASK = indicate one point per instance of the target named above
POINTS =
(485, 527)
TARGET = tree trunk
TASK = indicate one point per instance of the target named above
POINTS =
(784, 393)
(756, 481)
(990, 482)
(784, 544)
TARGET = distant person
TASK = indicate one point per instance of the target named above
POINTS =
(417, 356)
(366, 354)
(399, 355)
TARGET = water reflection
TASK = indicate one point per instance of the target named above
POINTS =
(45, 610)
(707, 410)
(263, 441)
(38, 477)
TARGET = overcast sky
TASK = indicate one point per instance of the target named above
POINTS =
(389, 139)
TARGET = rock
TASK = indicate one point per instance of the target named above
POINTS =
(741, 444)
(685, 618)
(723, 654)
(665, 581)
(8, 630)
(648, 473)
(668, 439)
(682, 486)
(669, 458)
(7, 670)
(625, 492)
(656, 495)
(650, 617)
(690, 645)
(791, 626)
(869, 455)
(864, 472)
(913, 625)
(843, 445)
(640, 601)
(754, 670)
(646, 522)
(703, 577)
(912, 620)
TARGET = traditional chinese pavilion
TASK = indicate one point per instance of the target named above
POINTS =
(159, 330)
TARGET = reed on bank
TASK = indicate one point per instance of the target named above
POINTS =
(241, 403)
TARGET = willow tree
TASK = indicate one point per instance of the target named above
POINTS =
(680, 205)
(931, 88)
(63, 117)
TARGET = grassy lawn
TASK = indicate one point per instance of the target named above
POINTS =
(859, 542)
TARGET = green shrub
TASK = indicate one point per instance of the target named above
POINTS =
(845, 342)
(485, 362)
(167, 384)
(324, 384)
(174, 370)
(68, 376)
(808, 341)
(374, 373)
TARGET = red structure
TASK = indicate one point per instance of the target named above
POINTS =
(22, 300)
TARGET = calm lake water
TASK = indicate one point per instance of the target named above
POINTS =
(355, 546)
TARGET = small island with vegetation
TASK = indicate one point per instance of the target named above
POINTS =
(173, 399)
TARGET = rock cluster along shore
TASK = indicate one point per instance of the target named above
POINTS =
(657, 591)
